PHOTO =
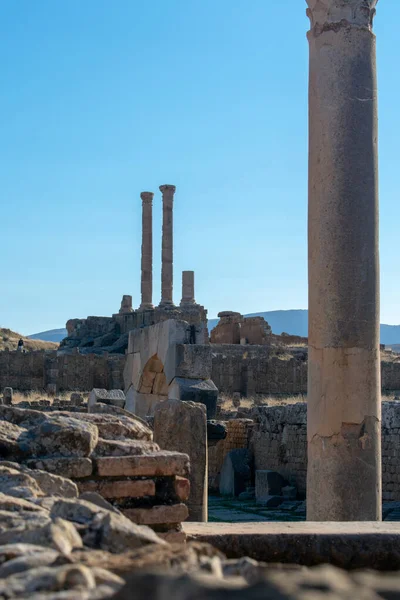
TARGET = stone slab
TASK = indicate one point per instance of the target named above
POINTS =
(350, 545)
(162, 464)
(157, 515)
(72, 468)
(119, 489)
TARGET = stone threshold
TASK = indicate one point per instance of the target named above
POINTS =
(350, 545)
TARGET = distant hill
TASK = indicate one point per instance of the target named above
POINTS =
(9, 341)
(53, 335)
(295, 322)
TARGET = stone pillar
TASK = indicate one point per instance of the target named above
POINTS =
(168, 192)
(147, 251)
(344, 449)
(126, 305)
(182, 426)
(187, 288)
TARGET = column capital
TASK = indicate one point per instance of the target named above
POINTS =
(167, 190)
(325, 14)
(147, 197)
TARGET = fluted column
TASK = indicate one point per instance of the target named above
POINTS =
(187, 288)
(344, 454)
(147, 251)
(168, 192)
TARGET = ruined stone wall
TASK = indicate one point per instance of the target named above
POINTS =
(238, 433)
(36, 370)
(253, 370)
(279, 442)
(250, 370)
(262, 370)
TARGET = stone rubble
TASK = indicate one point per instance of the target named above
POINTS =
(108, 454)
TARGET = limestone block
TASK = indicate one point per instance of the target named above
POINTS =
(59, 436)
(182, 426)
(161, 464)
(193, 361)
(124, 488)
(114, 397)
(157, 515)
(146, 382)
(142, 405)
(72, 468)
(160, 385)
(132, 371)
(235, 473)
(195, 390)
(268, 483)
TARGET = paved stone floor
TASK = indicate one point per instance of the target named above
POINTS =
(223, 509)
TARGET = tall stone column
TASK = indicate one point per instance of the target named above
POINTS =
(187, 288)
(344, 455)
(167, 258)
(147, 251)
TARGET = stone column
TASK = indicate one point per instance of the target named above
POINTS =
(187, 288)
(168, 192)
(147, 251)
(344, 455)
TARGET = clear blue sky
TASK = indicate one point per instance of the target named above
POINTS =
(101, 100)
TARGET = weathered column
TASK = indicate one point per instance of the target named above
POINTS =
(187, 288)
(344, 456)
(168, 192)
(147, 251)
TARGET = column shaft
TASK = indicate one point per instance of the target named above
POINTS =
(147, 251)
(187, 288)
(167, 245)
(344, 453)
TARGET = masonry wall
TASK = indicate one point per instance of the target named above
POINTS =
(35, 370)
(253, 370)
(250, 370)
(279, 442)
(263, 370)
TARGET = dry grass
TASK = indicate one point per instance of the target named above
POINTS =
(9, 341)
(227, 401)
(38, 395)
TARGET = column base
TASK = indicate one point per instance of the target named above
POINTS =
(148, 306)
(166, 304)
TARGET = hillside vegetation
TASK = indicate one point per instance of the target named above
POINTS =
(9, 341)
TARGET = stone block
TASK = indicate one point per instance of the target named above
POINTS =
(195, 390)
(269, 483)
(157, 515)
(142, 405)
(193, 361)
(236, 472)
(124, 488)
(182, 488)
(160, 464)
(182, 426)
(7, 395)
(71, 468)
(114, 397)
